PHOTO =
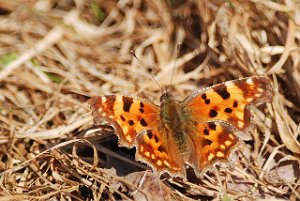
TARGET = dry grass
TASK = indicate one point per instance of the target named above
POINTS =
(55, 55)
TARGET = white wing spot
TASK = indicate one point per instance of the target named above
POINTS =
(159, 163)
(210, 156)
(209, 90)
(249, 81)
(125, 129)
(128, 138)
(229, 84)
(228, 143)
(240, 124)
(167, 163)
(257, 95)
(220, 154)
(231, 136)
(260, 89)
(142, 148)
(249, 99)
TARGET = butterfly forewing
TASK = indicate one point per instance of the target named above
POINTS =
(230, 101)
(127, 115)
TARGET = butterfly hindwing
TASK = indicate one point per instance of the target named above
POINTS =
(212, 141)
(230, 101)
(127, 115)
(153, 150)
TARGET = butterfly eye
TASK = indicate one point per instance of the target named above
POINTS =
(165, 97)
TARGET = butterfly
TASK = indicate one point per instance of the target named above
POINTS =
(199, 131)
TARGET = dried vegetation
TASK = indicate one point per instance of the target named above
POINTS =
(55, 55)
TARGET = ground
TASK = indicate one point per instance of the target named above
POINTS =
(56, 55)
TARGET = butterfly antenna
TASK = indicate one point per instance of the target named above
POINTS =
(152, 76)
(176, 55)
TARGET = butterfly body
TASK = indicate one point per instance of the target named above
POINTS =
(173, 122)
(199, 131)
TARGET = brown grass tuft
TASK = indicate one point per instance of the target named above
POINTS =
(55, 55)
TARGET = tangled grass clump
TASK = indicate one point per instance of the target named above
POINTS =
(55, 55)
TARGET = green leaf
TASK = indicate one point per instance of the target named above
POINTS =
(227, 198)
(34, 62)
(230, 4)
(97, 11)
(54, 78)
(171, 2)
(6, 59)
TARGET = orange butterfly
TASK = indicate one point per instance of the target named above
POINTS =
(199, 131)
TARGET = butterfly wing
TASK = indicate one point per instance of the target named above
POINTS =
(213, 141)
(230, 101)
(127, 115)
(153, 150)
(137, 123)
(218, 113)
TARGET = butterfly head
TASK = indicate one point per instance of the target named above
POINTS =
(166, 97)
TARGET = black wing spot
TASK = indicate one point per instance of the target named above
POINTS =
(206, 131)
(142, 105)
(222, 91)
(235, 103)
(161, 149)
(149, 134)
(156, 139)
(212, 126)
(228, 110)
(131, 123)
(127, 102)
(213, 113)
(143, 122)
(207, 141)
(204, 97)
(122, 118)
